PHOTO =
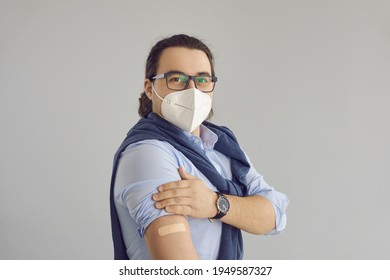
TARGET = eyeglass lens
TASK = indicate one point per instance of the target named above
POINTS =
(177, 81)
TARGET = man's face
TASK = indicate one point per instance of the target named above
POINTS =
(188, 61)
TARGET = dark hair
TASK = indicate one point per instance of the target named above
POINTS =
(180, 40)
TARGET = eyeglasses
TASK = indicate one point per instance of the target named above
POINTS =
(179, 81)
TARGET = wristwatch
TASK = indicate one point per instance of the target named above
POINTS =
(223, 206)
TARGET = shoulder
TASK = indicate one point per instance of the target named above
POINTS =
(151, 157)
(150, 147)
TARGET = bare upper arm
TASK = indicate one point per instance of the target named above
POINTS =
(169, 237)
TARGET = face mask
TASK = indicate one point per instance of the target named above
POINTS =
(186, 109)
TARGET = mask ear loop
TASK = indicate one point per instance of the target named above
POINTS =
(155, 91)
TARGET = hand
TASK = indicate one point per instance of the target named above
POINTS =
(189, 196)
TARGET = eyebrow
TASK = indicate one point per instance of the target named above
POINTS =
(203, 74)
(197, 74)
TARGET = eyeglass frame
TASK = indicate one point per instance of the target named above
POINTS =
(164, 75)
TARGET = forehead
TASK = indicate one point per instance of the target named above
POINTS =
(188, 61)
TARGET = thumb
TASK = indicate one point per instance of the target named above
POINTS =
(184, 175)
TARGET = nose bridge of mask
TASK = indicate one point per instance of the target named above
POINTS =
(185, 98)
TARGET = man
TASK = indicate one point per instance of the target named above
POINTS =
(182, 188)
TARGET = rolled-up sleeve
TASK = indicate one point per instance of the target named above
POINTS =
(258, 186)
(143, 167)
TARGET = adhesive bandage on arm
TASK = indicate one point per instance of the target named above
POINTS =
(172, 228)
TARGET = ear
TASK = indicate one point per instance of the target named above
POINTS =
(148, 88)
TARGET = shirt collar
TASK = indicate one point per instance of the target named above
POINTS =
(206, 140)
(209, 138)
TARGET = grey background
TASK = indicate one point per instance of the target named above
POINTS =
(304, 84)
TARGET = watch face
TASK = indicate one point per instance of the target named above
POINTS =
(223, 204)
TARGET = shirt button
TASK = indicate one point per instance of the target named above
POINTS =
(196, 140)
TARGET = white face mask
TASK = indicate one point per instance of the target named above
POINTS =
(186, 109)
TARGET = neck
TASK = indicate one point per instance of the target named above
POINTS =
(196, 131)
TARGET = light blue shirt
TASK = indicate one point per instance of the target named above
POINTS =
(147, 164)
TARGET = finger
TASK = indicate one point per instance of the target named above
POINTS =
(173, 185)
(176, 201)
(173, 193)
(179, 210)
(184, 175)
